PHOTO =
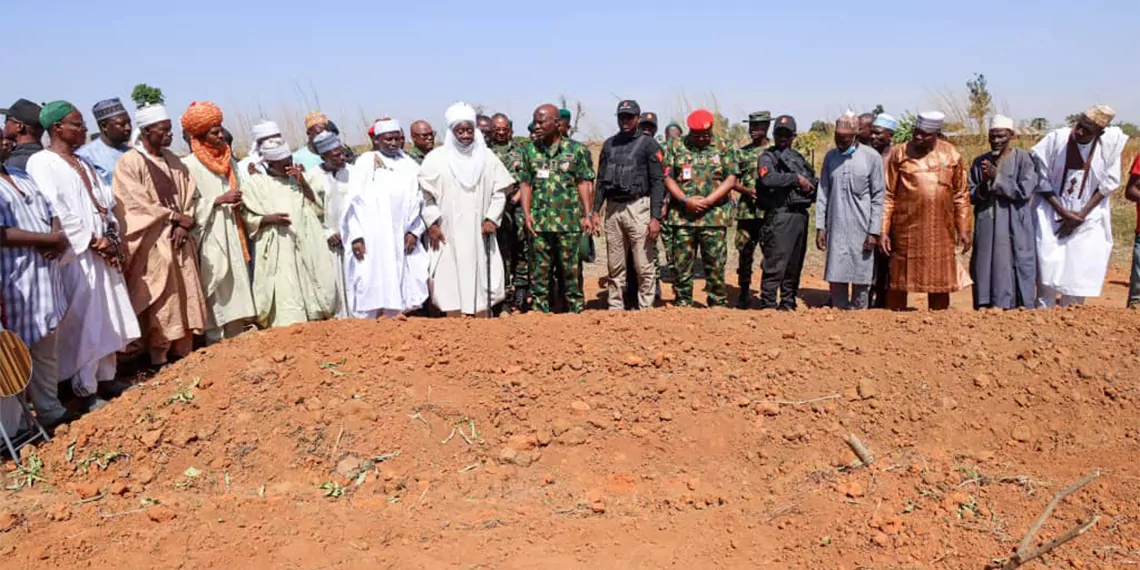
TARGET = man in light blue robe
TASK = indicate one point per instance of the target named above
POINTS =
(114, 133)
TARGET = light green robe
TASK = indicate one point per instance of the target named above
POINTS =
(225, 275)
(293, 276)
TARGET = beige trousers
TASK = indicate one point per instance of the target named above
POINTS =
(627, 224)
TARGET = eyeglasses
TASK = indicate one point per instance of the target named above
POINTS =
(78, 125)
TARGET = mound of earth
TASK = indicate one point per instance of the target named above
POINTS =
(672, 438)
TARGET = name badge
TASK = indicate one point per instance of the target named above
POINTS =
(542, 173)
(686, 172)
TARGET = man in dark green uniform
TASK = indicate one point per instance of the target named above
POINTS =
(513, 240)
(749, 216)
(555, 181)
(423, 140)
(700, 172)
(786, 191)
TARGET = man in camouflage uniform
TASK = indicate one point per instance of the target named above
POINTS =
(423, 140)
(749, 215)
(513, 240)
(555, 181)
(700, 172)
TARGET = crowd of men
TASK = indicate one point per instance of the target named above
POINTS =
(115, 247)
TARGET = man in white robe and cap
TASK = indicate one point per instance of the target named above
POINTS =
(334, 170)
(254, 163)
(100, 320)
(386, 274)
(1080, 169)
(464, 186)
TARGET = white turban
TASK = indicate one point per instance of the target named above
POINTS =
(150, 115)
(276, 149)
(1001, 122)
(466, 162)
(325, 142)
(930, 121)
(265, 129)
(385, 126)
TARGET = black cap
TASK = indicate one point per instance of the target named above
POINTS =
(629, 107)
(24, 111)
(785, 122)
(650, 118)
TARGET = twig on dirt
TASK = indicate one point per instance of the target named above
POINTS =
(860, 450)
(453, 429)
(336, 444)
(124, 513)
(811, 401)
(91, 499)
(421, 499)
(1024, 554)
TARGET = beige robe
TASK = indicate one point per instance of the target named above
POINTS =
(225, 275)
(293, 275)
(163, 282)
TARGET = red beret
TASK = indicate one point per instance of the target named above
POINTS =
(700, 120)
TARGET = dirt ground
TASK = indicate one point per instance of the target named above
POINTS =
(673, 438)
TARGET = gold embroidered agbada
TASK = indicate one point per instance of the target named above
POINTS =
(927, 201)
(163, 281)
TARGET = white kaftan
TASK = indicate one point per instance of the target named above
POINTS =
(383, 206)
(100, 320)
(1076, 265)
(225, 275)
(459, 267)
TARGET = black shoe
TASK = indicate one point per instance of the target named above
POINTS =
(745, 299)
(113, 389)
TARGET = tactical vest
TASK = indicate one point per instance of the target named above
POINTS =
(625, 175)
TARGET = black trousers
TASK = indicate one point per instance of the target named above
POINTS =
(882, 280)
(784, 245)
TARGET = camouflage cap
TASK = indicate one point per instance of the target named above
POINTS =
(759, 117)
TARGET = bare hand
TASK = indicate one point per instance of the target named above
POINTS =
(252, 168)
(358, 249)
(654, 230)
(750, 192)
(334, 241)
(276, 220)
(231, 197)
(885, 245)
(56, 247)
(989, 171)
(489, 227)
(529, 220)
(435, 237)
(295, 171)
(871, 243)
(178, 236)
(410, 243)
(966, 241)
(806, 186)
(695, 205)
(821, 240)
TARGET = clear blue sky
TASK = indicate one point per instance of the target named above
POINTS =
(366, 58)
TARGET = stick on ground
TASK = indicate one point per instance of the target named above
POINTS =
(1024, 553)
(860, 450)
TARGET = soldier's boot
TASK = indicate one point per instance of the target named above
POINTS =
(520, 302)
(745, 299)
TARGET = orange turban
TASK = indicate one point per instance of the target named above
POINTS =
(199, 118)
(315, 118)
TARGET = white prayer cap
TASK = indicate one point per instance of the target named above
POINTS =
(930, 121)
(1100, 115)
(325, 142)
(150, 115)
(886, 121)
(385, 126)
(1001, 122)
(265, 129)
(458, 113)
(276, 149)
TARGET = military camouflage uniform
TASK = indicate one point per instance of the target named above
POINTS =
(699, 172)
(554, 172)
(666, 229)
(416, 154)
(749, 216)
(513, 240)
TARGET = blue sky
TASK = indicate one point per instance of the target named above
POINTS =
(410, 60)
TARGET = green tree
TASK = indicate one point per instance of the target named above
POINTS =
(905, 130)
(1130, 129)
(1039, 124)
(981, 102)
(144, 95)
(878, 109)
(821, 127)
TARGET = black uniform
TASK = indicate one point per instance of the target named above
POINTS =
(629, 168)
(785, 231)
